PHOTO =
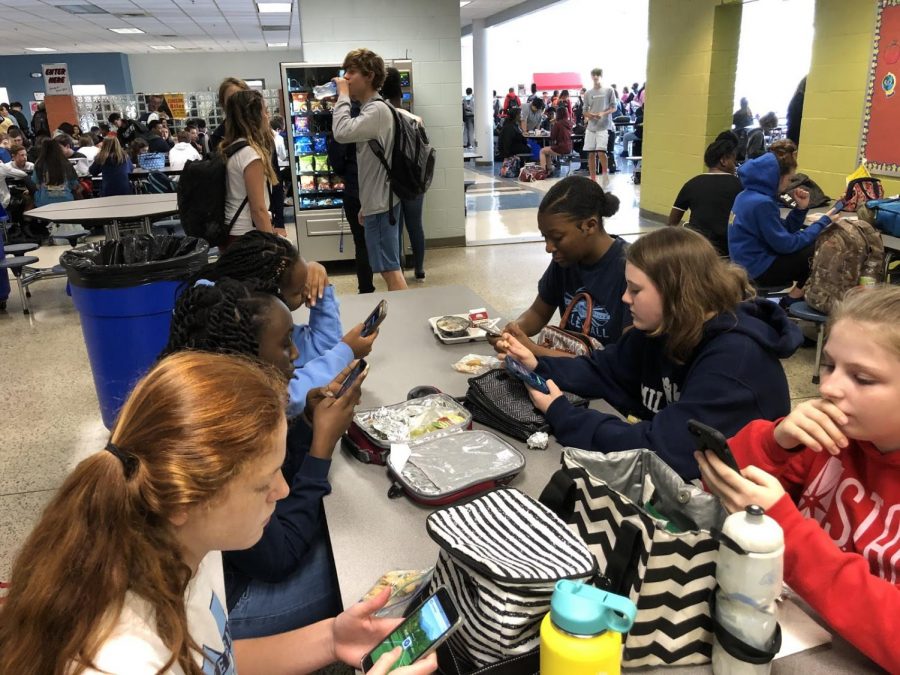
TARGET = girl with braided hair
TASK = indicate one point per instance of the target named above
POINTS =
(123, 572)
(274, 266)
(284, 581)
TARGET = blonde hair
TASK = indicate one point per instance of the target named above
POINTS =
(111, 149)
(227, 84)
(245, 117)
(693, 282)
(878, 307)
(184, 433)
(785, 152)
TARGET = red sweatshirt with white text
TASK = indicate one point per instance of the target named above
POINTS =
(841, 522)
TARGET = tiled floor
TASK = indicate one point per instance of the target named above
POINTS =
(50, 418)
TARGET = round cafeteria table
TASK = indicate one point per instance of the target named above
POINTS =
(110, 211)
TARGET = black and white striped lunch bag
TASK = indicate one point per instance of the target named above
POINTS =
(501, 555)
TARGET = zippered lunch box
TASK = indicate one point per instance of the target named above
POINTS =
(455, 465)
(372, 431)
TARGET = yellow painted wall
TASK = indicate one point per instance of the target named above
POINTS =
(835, 93)
(692, 58)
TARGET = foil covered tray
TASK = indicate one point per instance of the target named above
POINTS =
(412, 420)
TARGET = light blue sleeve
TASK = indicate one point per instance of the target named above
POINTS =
(324, 330)
(316, 373)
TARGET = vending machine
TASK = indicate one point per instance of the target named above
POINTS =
(323, 232)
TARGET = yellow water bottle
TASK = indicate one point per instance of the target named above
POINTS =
(582, 633)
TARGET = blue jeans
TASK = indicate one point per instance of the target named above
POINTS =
(382, 242)
(309, 595)
(411, 214)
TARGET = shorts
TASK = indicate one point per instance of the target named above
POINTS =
(383, 240)
(595, 140)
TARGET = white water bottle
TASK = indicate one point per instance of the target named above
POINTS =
(749, 583)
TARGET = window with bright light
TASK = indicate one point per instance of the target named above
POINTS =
(766, 75)
(89, 90)
(4, 95)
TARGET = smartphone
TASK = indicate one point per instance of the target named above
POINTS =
(838, 205)
(375, 318)
(707, 438)
(351, 378)
(529, 377)
(491, 330)
(421, 633)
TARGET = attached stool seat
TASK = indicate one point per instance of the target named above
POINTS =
(71, 237)
(800, 310)
(15, 265)
(20, 249)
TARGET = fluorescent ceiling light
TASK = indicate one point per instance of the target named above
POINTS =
(274, 7)
(127, 31)
(277, 44)
(39, 49)
(162, 47)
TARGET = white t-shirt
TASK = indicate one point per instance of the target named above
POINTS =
(181, 153)
(90, 151)
(134, 648)
(236, 190)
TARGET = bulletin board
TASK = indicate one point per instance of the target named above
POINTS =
(880, 142)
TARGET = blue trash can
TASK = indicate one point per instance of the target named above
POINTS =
(125, 291)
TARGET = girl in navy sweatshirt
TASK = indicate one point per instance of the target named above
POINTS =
(698, 349)
(285, 581)
(113, 164)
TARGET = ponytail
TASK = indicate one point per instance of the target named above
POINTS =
(185, 432)
(579, 198)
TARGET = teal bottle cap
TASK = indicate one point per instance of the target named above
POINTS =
(580, 609)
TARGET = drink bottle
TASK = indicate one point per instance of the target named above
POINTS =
(750, 576)
(327, 90)
(582, 633)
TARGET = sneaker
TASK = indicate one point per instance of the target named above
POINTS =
(420, 275)
(786, 301)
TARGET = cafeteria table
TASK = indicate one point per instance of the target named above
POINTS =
(371, 534)
(110, 211)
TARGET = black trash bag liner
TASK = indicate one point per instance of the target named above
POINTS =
(136, 260)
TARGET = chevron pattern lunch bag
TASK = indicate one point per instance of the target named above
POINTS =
(650, 533)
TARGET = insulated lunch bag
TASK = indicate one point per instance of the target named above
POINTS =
(448, 467)
(564, 339)
(501, 556)
(886, 215)
(650, 532)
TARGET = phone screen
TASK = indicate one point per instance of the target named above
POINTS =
(351, 378)
(529, 377)
(375, 318)
(839, 205)
(418, 634)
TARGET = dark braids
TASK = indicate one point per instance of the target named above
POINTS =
(225, 318)
(579, 198)
(725, 144)
(261, 257)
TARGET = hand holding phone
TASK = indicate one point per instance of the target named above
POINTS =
(837, 208)
(529, 377)
(421, 633)
(375, 318)
(352, 377)
(707, 438)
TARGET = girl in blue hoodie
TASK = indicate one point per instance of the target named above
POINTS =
(774, 251)
(698, 348)
(285, 580)
(273, 264)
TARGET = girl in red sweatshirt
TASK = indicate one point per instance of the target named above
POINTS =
(829, 473)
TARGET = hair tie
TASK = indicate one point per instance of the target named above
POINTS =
(204, 282)
(280, 268)
(129, 461)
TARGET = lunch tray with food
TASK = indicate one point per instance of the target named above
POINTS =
(445, 468)
(454, 329)
(372, 431)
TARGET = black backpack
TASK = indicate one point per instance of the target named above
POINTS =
(201, 197)
(412, 159)
(159, 183)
